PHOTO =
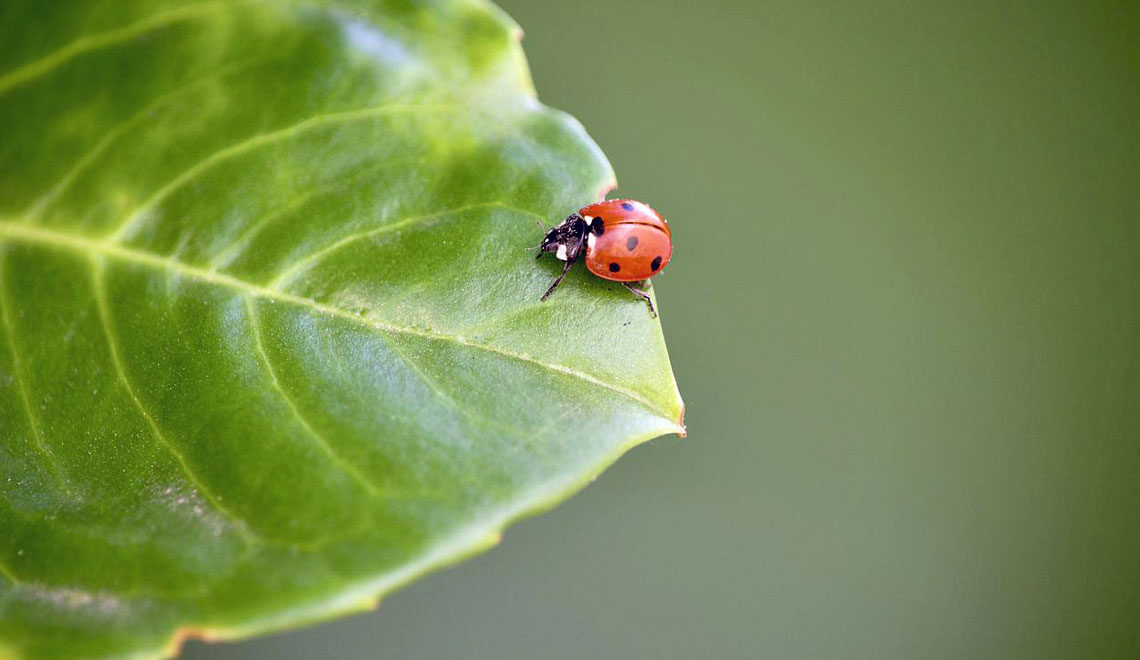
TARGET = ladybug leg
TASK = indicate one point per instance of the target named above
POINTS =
(644, 296)
(565, 269)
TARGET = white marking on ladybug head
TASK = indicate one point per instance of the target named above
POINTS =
(561, 253)
(591, 239)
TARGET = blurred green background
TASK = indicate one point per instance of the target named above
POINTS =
(904, 312)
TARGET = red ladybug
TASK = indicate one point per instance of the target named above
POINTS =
(623, 240)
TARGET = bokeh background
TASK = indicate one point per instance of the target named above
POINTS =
(904, 312)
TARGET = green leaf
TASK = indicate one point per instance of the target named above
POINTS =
(271, 342)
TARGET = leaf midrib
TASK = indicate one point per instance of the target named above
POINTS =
(93, 246)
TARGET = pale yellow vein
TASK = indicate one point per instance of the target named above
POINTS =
(286, 275)
(18, 369)
(7, 573)
(553, 422)
(225, 255)
(85, 245)
(94, 42)
(120, 372)
(139, 214)
(434, 386)
(345, 466)
(124, 128)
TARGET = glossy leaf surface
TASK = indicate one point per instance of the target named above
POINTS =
(270, 340)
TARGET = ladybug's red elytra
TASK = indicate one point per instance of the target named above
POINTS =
(623, 240)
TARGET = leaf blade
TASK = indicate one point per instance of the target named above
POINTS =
(288, 357)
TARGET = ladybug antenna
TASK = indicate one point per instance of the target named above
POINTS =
(544, 231)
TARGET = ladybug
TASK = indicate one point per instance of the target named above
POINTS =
(623, 241)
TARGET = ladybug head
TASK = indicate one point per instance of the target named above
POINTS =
(565, 239)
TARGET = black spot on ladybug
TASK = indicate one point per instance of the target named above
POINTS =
(614, 268)
(598, 226)
(656, 263)
(631, 243)
(627, 206)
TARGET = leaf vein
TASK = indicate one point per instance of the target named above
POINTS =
(434, 386)
(318, 439)
(226, 254)
(301, 264)
(94, 42)
(104, 311)
(139, 215)
(41, 204)
(18, 372)
(87, 245)
(7, 573)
